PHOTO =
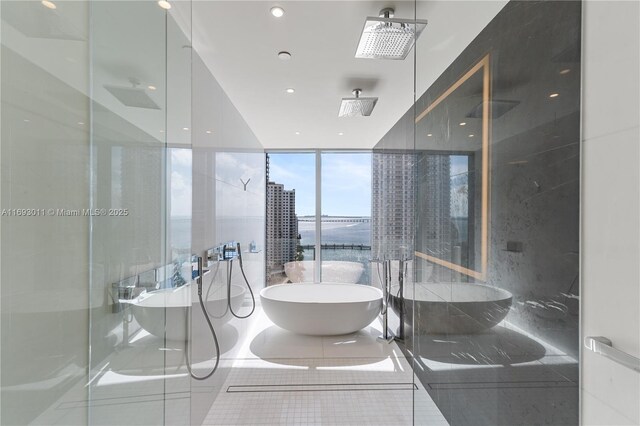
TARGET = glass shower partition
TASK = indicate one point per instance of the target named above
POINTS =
(140, 229)
(497, 146)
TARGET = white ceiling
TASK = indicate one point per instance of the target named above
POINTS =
(239, 42)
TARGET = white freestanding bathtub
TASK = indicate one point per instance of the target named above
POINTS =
(454, 308)
(324, 309)
(333, 271)
(164, 313)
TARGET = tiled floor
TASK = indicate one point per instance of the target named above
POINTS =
(266, 376)
(341, 380)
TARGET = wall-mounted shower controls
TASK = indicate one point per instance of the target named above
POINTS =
(226, 251)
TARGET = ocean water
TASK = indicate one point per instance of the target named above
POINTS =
(340, 233)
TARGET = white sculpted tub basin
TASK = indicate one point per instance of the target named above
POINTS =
(333, 271)
(163, 313)
(454, 308)
(321, 309)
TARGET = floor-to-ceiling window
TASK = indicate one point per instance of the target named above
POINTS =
(319, 216)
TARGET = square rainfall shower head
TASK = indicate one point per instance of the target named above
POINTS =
(388, 37)
(352, 107)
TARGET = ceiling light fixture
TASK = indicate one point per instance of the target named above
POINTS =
(471, 136)
(565, 71)
(151, 87)
(49, 4)
(284, 56)
(554, 95)
(164, 4)
(291, 90)
(463, 124)
(340, 133)
(429, 134)
(80, 123)
(277, 11)
(185, 128)
(297, 133)
(208, 132)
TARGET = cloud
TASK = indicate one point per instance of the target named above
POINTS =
(181, 157)
(231, 167)
(180, 194)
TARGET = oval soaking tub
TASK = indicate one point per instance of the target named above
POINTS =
(333, 271)
(163, 313)
(324, 309)
(454, 308)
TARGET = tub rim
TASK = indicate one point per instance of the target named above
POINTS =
(377, 291)
(502, 295)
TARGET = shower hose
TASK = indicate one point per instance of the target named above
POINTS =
(228, 308)
(213, 332)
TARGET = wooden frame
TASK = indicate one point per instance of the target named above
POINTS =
(484, 66)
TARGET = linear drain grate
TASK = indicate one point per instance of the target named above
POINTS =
(322, 387)
(501, 385)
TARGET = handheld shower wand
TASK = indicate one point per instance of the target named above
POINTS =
(213, 332)
(253, 299)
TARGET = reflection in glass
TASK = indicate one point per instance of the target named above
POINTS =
(452, 174)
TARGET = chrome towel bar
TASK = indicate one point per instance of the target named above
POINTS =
(603, 346)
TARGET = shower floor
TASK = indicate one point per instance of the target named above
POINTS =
(266, 376)
(280, 378)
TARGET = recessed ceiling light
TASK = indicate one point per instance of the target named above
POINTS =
(297, 133)
(340, 133)
(463, 124)
(208, 132)
(471, 136)
(185, 128)
(151, 87)
(429, 134)
(161, 131)
(554, 95)
(284, 56)
(80, 123)
(164, 4)
(565, 71)
(277, 11)
(291, 90)
(49, 4)
(26, 120)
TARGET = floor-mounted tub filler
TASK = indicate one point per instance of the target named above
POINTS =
(324, 309)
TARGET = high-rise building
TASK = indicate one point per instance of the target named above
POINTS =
(282, 227)
(393, 204)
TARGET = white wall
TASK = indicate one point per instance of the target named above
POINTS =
(611, 208)
(452, 27)
(44, 164)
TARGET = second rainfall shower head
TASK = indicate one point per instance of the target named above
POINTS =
(386, 37)
(351, 107)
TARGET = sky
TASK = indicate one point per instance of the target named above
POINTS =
(180, 182)
(346, 181)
